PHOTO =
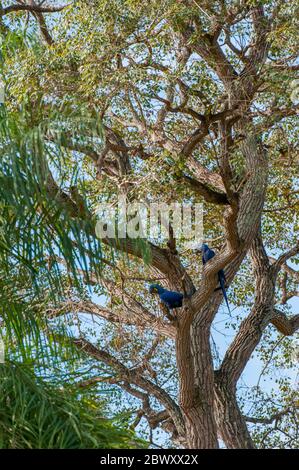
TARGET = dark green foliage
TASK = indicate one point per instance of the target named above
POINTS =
(34, 414)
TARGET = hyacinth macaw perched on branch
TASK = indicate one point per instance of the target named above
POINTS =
(208, 254)
(169, 298)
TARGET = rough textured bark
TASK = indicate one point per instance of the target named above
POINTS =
(195, 367)
(230, 421)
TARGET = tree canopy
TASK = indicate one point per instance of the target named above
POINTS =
(167, 101)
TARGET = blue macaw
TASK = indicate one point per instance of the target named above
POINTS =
(208, 254)
(169, 298)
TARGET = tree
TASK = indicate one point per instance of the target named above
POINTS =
(43, 405)
(35, 415)
(196, 102)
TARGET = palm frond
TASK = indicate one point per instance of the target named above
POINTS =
(34, 414)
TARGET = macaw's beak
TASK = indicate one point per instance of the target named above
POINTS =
(153, 290)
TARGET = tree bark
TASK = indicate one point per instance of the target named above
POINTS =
(230, 421)
(195, 366)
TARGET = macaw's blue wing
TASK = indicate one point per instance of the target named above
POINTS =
(172, 299)
(207, 255)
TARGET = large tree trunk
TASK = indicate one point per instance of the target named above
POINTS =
(210, 409)
(230, 422)
(195, 367)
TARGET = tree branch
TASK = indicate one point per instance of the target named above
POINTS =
(133, 377)
(203, 190)
(274, 417)
(32, 9)
(282, 259)
(286, 326)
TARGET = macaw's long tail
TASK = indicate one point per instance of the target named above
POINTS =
(222, 284)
